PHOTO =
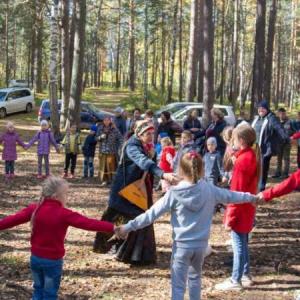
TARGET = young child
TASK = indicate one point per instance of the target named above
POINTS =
(88, 150)
(239, 219)
(45, 138)
(229, 152)
(213, 163)
(191, 204)
(72, 144)
(166, 160)
(10, 139)
(50, 220)
(187, 144)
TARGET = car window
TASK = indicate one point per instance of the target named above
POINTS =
(25, 93)
(84, 108)
(2, 96)
(15, 95)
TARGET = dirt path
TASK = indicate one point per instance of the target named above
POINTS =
(274, 246)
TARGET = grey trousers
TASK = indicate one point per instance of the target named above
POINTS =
(40, 163)
(186, 265)
(283, 155)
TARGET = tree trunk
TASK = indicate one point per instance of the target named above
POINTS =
(180, 51)
(208, 60)
(200, 52)
(269, 53)
(118, 47)
(259, 56)
(7, 67)
(53, 68)
(132, 46)
(193, 57)
(78, 62)
(163, 54)
(146, 54)
(172, 54)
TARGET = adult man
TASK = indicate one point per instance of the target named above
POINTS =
(269, 134)
(120, 121)
(284, 150)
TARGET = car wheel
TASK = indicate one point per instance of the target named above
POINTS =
(2, 113)
(28, 108)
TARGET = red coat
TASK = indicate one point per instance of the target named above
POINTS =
(283, 188)
(50, 226)
(165, 164)
(296, 136)
(240, 217)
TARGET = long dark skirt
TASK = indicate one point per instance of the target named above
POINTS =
(139, 248)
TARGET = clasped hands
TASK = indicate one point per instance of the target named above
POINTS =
(120, 232)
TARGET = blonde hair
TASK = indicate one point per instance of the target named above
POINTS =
(218, 113)
(49, 188)
(227, 134)
(248, 135)
(191, 165)
(9, 124)
(166, 141)
(187, 133)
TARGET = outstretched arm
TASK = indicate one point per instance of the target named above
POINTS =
(33, 140)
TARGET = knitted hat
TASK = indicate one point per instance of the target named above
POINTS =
(44, 123)
(211, 141)
(119, 110)
(94, 128)
(264, 104)
(142, 126)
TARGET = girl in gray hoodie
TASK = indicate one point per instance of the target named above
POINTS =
(191, 204)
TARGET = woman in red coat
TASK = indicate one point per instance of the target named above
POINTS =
(239, 218)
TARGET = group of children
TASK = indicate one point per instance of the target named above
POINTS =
(191, 204)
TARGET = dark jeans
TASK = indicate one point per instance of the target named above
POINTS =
(240, 256)
(46, 275)
(88, 166)
(40, 163)
(70, 158)
(265, 171)
(283, 156)
(9, 167)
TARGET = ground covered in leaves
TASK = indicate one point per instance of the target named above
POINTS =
(275, 244)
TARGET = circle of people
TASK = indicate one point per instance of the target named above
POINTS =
(192, 179)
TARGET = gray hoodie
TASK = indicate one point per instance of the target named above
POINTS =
(192, 208)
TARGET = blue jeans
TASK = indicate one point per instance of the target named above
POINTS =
(9, 167)
(186, 265)
(88, 166)
(241, 261)
(46, 275)
(44, 157)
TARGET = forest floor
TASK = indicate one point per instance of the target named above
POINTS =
(275, 257)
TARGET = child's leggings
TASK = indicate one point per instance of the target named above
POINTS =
(9, 167)
(40, 163)
(186, 266)
(88, 166)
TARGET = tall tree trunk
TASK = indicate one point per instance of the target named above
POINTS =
(132, 46)
(259, 55)
(223, 67)
(154, 63)
(146, 54)
(15, 50)
(163, 53)
(180, 51)
(78, 62)
(279, 35)
(65, 61)
(269, 52)
(7, 67)
(71, 39)
(208, 59)
(200, 52)
(193, 57)
(172, 54)
(118, 47)
(241, 58)
(53, 68)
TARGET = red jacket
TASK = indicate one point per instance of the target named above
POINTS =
(285, 187)
(240, 217)
(50, 225)
(296, 136)
(164, 161)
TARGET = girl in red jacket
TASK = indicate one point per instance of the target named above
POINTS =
(50, 221)
(166, 160)
(239, 218)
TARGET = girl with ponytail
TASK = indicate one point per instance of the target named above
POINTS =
(191, 204)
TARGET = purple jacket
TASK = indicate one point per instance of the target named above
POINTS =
(45, 138)
(10, 141)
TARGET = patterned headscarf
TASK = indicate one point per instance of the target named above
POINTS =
(142, 126)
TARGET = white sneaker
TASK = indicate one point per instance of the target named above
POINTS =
(247, 281)
(228, 285)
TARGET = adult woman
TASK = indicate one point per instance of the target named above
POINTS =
(137, 158)
(193, 124)
(168, 126)
(110, 141)
(215, 129)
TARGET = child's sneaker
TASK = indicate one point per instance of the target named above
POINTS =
(247, 281)
(39, 176)
(228, 285)
(72, 176)
(65, 175)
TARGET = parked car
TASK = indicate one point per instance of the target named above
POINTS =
(18, 83)
(14, 100)
(89, 114)
(173, 108)
(182, 114)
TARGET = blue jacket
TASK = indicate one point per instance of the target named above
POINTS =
(192, 207)
(215, 130)
(271, 135)
(134, 162)
(120, 123)
(213, 167)
(89, 146)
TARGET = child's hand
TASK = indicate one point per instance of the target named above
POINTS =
(224, 180)
(227, 228)
(120, 232)
(260, 198)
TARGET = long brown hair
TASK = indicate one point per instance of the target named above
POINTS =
(248, 135)
(191, 165)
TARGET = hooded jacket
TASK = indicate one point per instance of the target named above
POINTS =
(192, 208)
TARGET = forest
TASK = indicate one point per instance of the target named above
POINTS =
(232, 52)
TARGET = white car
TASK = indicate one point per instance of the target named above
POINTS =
(18, 83)
(182, 114)
(14, 100)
